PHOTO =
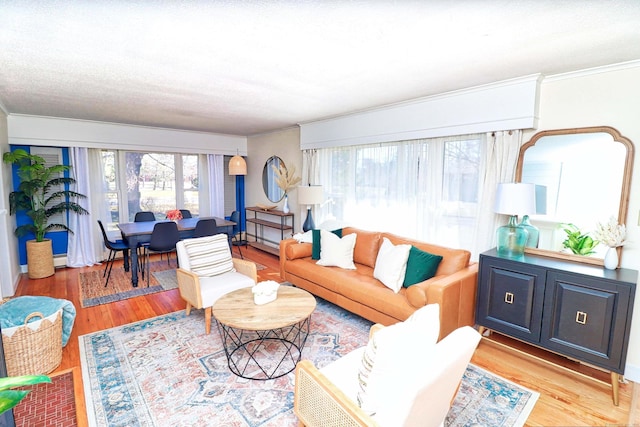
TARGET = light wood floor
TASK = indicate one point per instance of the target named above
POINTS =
(566, 398)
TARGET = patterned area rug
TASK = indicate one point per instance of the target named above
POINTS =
(93, 292)
(165, 371)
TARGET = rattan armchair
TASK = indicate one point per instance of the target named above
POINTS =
(318, 402)
(202, 292)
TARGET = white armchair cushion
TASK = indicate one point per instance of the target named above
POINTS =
(391, 264)
(393, 354)
(343, 373)
(212, 288)
(208, 256)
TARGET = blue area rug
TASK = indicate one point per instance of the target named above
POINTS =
(165, 371)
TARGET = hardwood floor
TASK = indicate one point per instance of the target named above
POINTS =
(566, 398)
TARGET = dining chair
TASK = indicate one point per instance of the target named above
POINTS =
(205, 227)
(163, 240)
(144, 216)
(114, 247)
(186, 213)
(235, 217)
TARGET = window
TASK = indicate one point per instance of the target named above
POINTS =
(156, 182)
(424, 189)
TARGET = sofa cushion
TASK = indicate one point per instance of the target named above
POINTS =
(392, 355)
(336, 251)
(317, 241)
(299, 250)
(391, 264)
(367, 246)
(421, 266)
(453, 260)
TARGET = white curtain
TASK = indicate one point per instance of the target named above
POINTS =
(211, 189)
(500, 152)
(81, 243)
(439, 190)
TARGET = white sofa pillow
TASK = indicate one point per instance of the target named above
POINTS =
(336, 251)
(393, 355)
(391, 264)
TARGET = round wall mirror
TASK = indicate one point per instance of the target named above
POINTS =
(271, 189)
(582, 177)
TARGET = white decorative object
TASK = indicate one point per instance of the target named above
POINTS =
(611, 259)
(611, 234)
(285, 207)
(265, 292)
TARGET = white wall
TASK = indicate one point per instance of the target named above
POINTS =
(611, 97)
(284, 144)
(9, 269)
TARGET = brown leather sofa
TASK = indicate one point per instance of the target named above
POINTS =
(453, 287)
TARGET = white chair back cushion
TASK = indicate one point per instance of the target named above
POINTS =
(424, 398)
(207, 256)
(392, 355)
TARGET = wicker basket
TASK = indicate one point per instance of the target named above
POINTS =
(29, 352)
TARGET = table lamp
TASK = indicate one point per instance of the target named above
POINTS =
(514, 199)
(309, 195)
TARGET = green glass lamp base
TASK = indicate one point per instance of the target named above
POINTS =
(511, 239)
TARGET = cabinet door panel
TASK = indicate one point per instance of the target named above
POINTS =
(510, 301)
(585, 318)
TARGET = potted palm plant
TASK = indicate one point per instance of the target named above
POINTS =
(41, 195)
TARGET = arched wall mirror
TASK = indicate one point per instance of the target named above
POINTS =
(271, 189)
(582, 177)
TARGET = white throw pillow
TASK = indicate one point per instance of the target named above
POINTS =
(391, 264)
(336, 251)
(393, 355)
(209, 256)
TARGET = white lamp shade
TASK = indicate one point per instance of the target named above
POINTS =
(515, 199)
(237, 166)
(310, 195)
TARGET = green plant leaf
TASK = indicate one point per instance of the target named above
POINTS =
(10, 382)
(10, 398)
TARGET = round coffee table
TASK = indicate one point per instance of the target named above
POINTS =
(263, 342)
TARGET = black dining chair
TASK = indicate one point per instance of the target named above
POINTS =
(186, 213)
(235, 217)
(163, 240)
(205, 227)
(114, 248)
(144, 216)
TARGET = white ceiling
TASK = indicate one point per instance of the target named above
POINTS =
(247, 67)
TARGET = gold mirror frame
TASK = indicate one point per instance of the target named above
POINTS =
(625, 191)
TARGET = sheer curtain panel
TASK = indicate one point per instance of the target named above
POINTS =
(82, 247)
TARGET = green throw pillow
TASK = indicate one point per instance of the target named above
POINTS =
(315, 248)
(421, 266)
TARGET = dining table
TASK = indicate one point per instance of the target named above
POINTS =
(137, 233)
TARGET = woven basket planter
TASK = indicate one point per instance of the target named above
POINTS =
(29, 352)
(40, 259)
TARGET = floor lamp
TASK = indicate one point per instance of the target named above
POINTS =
(309, 195)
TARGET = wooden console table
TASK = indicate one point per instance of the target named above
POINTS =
(267, 218)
